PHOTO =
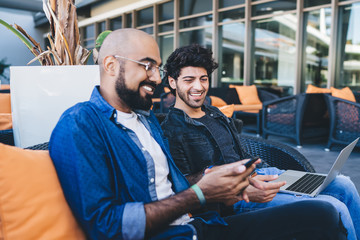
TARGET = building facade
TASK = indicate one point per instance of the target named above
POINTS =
(280, 44)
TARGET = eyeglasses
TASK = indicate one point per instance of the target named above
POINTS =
(151, 68)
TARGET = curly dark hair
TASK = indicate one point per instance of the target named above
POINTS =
(188, 56)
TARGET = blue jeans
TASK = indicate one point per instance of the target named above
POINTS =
(341, 193)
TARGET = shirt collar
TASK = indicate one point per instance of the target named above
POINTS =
(108, 110)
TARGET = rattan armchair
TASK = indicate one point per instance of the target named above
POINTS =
(276, 154)
(344, 121)
(297, 117)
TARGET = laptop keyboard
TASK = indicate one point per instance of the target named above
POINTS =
(307, 183)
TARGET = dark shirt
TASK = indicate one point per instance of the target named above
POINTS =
(222, 137)
(192, 145)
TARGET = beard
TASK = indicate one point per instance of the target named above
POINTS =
(132, 98)
(193, 104)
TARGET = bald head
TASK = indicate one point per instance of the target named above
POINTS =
(124, 42)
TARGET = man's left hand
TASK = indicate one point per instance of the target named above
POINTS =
(261, 190)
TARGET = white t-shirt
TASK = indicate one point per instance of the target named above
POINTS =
(162, 183)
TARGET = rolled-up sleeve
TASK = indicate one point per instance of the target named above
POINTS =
(134, 221)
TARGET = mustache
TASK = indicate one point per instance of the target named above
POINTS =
(154, 85)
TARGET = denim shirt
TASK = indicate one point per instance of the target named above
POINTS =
(191, 144)
(106, 175)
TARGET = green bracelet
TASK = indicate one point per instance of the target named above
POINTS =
(199, 194)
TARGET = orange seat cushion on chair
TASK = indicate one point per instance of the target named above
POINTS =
(32, 204)
(314, 89)
(227, 110)
(344, 93)
(247, 94)
(4, 86)
(251, 108)
(5, 121)
(217, 102)
(5, 106)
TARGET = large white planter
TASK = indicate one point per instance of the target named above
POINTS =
(40, 94)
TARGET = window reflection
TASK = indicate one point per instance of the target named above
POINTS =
(317, 41)
(348, 62)
(116, 23)
(202, 37)
(274, 55)
(189, 7)
(231, 57)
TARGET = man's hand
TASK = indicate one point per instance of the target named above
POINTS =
(260, 190)
(226, 183)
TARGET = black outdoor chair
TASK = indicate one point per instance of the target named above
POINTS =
(276, 154)
(344, 121)
(7, 137)
(297, 117)
(41, 146)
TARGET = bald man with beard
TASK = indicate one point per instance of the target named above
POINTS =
(120, 181)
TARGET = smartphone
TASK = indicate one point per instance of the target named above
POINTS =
(251, 161)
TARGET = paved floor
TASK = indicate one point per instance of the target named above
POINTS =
(321, 160)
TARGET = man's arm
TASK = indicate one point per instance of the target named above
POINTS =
(224, 184)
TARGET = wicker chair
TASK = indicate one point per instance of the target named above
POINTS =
(297, 117)
(276, 154)
(41, 146)
(344, 121)
(7, 137)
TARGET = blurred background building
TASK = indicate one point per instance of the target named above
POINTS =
(285, 44)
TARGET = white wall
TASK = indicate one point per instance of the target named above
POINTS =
(11, 47)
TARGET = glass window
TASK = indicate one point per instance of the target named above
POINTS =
(166, 44)
(317, 40)
(116, 23)
(312, 3)
(101, 27)
(231, 15)
(166, 11)
(231, 56)
(229, 3)
(273, 7)
(145, 16)
(194, 22)
(274, 54)
(89, 36)
(166, 27)
(149, 30)
(348, 60)
(189, 7)
(202, 37)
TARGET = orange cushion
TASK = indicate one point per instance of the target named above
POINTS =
(5, 106)
(227, 110)
(217, 102)
(314, 89)
(5, 122)
(32, 204)
(247, 94)
(253, 108)
(344, 93)
(4, 86)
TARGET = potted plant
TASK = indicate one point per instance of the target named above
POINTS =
(40, 94)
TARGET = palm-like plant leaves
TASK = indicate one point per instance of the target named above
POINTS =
(65, 48)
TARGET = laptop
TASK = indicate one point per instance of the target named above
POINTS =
(304, 183)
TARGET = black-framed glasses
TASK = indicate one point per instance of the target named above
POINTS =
(150, 67)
